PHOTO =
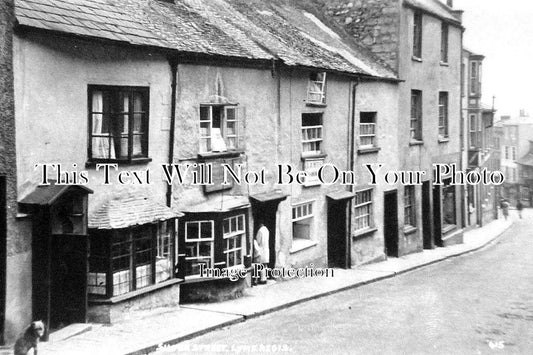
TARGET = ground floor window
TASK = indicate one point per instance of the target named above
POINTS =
(409, 206)
(129, 259)
(449, 217)
(363, 213)
(302, 220)
(213, 240)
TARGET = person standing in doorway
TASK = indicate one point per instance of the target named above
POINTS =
(262, 250)
(519, 207)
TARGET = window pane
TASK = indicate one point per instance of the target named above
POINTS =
(191, 230)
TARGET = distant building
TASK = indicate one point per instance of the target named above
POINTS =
(481, 145)
(515, 145)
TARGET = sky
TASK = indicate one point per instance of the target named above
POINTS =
(503, 32)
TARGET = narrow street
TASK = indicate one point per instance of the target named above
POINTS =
(480, 303)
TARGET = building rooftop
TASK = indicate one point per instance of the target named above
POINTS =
(249, 29)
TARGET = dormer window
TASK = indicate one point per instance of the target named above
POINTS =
(316, 92)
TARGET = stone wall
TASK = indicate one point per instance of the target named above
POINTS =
(372, 23)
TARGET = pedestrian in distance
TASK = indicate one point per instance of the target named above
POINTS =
(262, 251)
(505, 208)
(519, 208)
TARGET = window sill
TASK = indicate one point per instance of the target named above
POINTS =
(448, 228)
(313, 156)
(198, 278)
(134, 161)
(136, 293)
(407, 230)
(444, 140)
(369, 150)
(301, 244)
(416, 59)
(226, 154)
(364, 233)
(416, 142)
(444, 64)
(315, 104)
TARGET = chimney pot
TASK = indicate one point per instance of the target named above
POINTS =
(449, 3)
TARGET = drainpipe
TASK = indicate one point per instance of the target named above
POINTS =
(174, 70)
(351, 150)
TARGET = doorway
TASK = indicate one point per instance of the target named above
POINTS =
(338, 236)
(427, 220)
(3, 246)
(390, 221)
(437, 223)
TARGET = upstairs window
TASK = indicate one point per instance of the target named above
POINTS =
(367, 129)
(311, 133)
(474, 133)
(475, 78)
(444, 43)
(220, 128)
(417, 35)
(118, 123)
(416, 115)
(316, 91)
(443, 115)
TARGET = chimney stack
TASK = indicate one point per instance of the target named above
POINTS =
(449, 3)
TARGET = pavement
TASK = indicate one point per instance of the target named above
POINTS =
(171, 326)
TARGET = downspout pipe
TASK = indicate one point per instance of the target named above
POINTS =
(174, 72)
(351, 152)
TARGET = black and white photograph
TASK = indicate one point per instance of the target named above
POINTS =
(266, 177)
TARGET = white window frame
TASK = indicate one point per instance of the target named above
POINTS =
(443, 114)
(303, 211)
(228, 141)
(360, 211)
(199, 240)
(231, 234)
(367, 131)
(316, 89)
(312, 137)
(409, 204)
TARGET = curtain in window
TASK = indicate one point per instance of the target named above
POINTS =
(100, 137)
(137, 124)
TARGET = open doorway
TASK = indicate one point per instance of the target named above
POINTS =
(390, 221)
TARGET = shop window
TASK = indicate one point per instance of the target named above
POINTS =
(449, 217)
(311, 133)
(130, 258)
(316, 91)
(118, 123)
(363, 211)
(409, 206)
(367, 129)
(220, 128)
(416, 115)
(234, 234)
(302, 221)
(199, 240)
(443, 115)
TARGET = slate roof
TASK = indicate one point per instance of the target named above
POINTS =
(251, 29)
(48, 194)
(436, 8)
(128, 211)
(218, 204)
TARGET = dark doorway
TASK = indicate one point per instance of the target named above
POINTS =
(3, 246)
(68, 301)
(427, 217)
(264, 212)
(338, 255)
(437, 224)
(390, 220)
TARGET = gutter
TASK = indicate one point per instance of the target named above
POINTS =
(174, 72)
(351, 150)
